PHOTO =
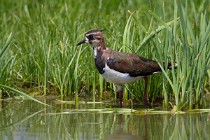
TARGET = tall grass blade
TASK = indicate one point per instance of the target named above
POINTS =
(6, 44)
(153, 33)
(23, 94)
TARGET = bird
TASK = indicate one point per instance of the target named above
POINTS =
(120, 68)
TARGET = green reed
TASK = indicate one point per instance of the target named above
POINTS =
(190, 50)
(6, 64)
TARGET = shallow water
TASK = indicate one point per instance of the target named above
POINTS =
(27, 120)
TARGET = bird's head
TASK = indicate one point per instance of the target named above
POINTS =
(94, 38)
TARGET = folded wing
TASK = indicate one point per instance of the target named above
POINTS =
(135, 65)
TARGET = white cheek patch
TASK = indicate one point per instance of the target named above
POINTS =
(86, 40)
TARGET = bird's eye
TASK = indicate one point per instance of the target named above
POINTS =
(90, 36)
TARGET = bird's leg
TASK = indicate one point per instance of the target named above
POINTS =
(120, 94)
(146, 100)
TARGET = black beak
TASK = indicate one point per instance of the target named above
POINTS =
(81, 42)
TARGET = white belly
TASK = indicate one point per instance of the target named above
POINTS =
(118, 78)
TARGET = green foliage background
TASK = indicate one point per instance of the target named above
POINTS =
(41, 51)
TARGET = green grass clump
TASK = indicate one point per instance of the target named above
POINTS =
(43, 53)
(191, 52)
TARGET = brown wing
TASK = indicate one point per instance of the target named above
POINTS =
(133, 64)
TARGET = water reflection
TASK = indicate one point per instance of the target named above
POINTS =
(124, 128)
(29, 121)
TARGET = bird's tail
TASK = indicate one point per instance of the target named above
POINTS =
(170, 65)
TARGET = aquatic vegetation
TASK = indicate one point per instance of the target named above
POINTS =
(41, 52)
